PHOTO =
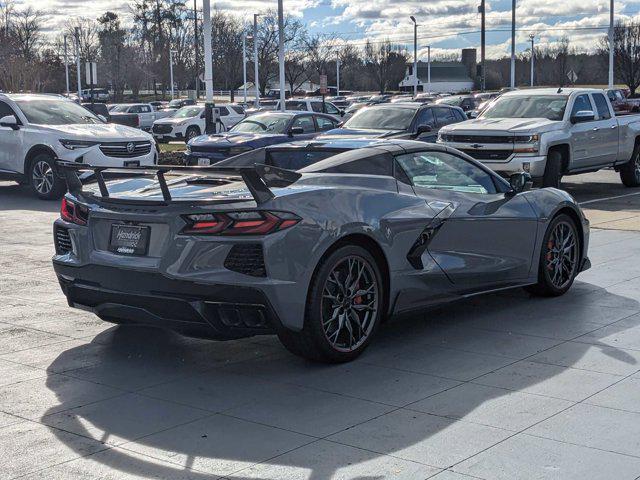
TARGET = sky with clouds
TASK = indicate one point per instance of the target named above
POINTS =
(446, 25)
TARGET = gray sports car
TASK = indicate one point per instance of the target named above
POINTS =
(319, 256)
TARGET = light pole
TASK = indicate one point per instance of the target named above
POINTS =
(481, 8)
(532, 37)
(76, 33)
(415, 54)
(338, 73)
(611, 47)
(513, 43)
(256, 81)
(283, 96)
(66, 63)
(171, 71)
(429, 68)
(208, 66)
(244, 66)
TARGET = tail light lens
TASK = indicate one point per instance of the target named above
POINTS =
(74, 212)
(252, 222)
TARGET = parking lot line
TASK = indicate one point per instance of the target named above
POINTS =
(604, 199)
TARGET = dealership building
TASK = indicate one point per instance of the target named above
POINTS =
(446, 77)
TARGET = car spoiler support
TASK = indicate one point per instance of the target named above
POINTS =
(258, 178)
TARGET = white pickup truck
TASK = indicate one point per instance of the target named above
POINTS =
(550, 133)
(143, 115)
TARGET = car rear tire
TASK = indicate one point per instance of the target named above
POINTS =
(559, 258)
(630, 171)
(344, 308)
(45, 183)
(191, 133)
(553, 170)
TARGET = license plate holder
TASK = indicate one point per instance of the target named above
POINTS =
(129, 239)
(204, 162)
(132, 163)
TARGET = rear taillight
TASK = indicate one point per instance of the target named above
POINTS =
(74, 212)
(239, 223)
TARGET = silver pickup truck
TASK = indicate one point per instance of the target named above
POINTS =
(550, 133)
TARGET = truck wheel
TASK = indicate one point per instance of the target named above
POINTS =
(191, 133)
(553, 170)
(44, 180)
(630, 171)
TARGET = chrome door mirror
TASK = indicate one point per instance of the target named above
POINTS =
(9, 121)
(583, 116)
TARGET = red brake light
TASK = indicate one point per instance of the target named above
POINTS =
(239, 223)
(74, 213)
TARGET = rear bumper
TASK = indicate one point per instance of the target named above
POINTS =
(221, 312)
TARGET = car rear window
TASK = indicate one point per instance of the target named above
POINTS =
(297, 159)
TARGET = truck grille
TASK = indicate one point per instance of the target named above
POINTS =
(62, 240)
(126, 149)
(246, 258)
(450, 137)
(481, 154)
(162, 128)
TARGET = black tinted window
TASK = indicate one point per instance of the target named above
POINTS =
(377, 165)
(601, 106)
(5, 110)
(296, 159)
(223, 111)
(305, 122)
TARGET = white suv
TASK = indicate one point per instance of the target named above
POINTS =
(37, 130)
(188, 122)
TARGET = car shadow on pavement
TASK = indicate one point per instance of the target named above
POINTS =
(20, 197)
(451, 376)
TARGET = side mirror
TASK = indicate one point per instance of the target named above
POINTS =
(583, 116)
(342, 113)
(9, 121)
(423, 129)
(520, 182)
(296, 131)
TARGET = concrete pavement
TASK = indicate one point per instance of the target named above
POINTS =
(499, 387)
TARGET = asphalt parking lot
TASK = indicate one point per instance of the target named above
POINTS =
(499, 387)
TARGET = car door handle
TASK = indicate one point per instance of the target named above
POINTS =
(614, 126)
(595, 129)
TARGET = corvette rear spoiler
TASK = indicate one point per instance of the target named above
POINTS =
(258, 178)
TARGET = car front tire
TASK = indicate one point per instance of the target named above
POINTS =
(45, 183)
(344, 308)
(191, 133)
(553, 170)
(559, 261)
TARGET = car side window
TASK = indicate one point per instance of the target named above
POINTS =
(444, 116)
(425, 117)
(239, 109)
(331, 109)
(459, 115)
(223, 111)
(581, 103)
(316, 107)
(6, 110)
(145, 109)
(325, 123)
(135, 109)
(601, 106)
(612, 95)
(443, 171)
(305, 122)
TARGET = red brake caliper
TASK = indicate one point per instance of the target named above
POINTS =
(357, 300)
(549, 255)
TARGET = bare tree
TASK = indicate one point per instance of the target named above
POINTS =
(27, 30)
(385, 63)
(626, 52)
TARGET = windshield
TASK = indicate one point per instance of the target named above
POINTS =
(175, 103)
(188, 112)
(382, 118)
(264, 123)
(550, 107)
(55, 112)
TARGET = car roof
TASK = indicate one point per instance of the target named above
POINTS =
(407, 105)
(329, 144)
(550, 91)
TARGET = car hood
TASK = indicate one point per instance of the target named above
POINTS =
(360, 132)
(102, 132)
(172, 120)
(513, 125)
(232, 139)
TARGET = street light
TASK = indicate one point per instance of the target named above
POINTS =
(513, 43)
(283, 95)
(532, 37)
(429, 68)
(244, 64)
(256, 81)
(338, 73)
(76, 34)
(171, 52)
(611, 45)
(415, 54)
(66, 64)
